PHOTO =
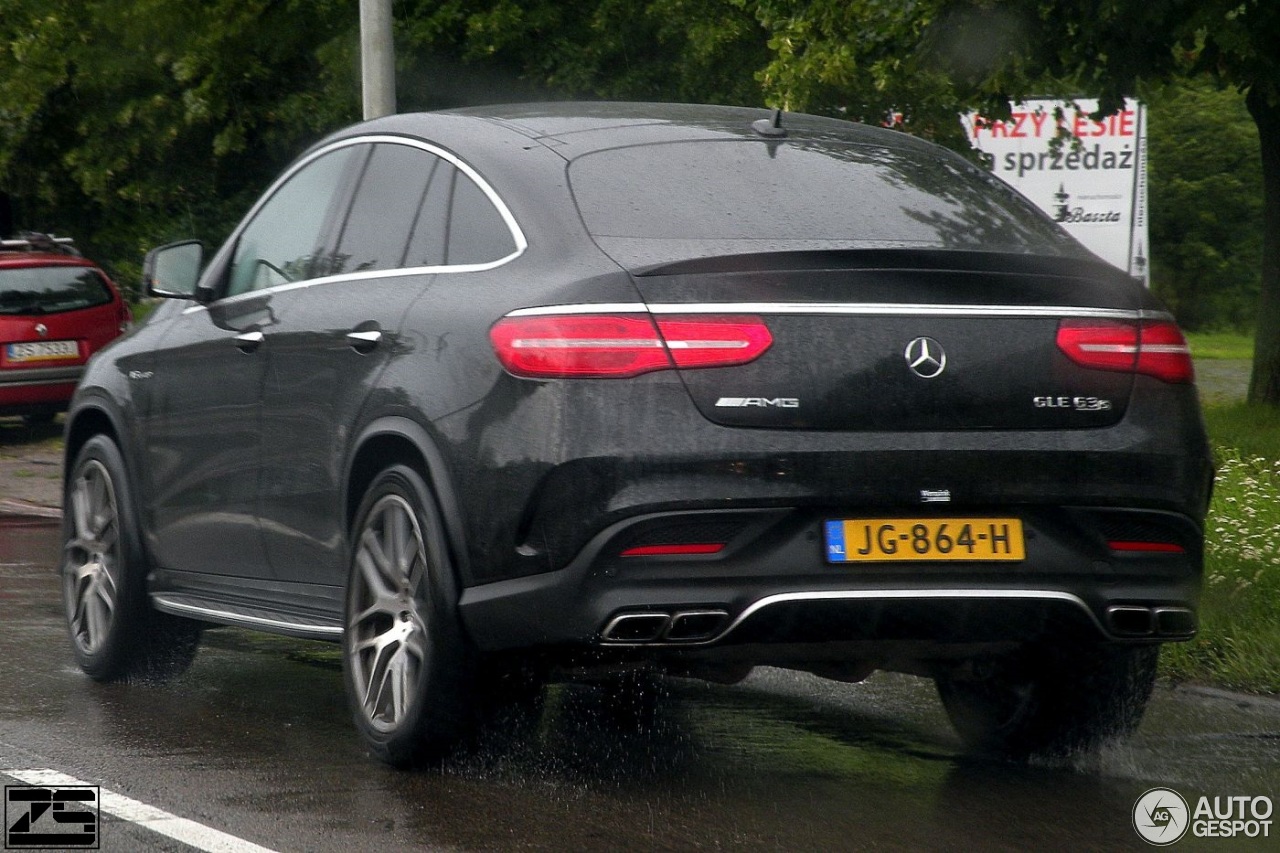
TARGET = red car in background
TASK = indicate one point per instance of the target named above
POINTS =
(56, 310)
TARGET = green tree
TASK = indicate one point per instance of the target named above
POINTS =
(128, 122)
(662, 50)
(1206, 205)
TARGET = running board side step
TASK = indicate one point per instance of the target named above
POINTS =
(241, 616)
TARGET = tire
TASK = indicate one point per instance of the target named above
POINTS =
(115, 633)
(406, 663)
(1051, 704)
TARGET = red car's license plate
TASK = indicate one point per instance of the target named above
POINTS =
(42, 351)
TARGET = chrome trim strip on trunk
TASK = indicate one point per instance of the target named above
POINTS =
(865, 309)
(591, 308)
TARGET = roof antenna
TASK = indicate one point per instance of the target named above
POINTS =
(770, 127)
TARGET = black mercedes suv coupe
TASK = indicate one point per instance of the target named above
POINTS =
(498, 395)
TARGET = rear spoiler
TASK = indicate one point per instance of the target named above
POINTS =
(957, 260)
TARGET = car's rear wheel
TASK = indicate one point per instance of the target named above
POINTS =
(1050, 702)
(406, 662)
(115, 633)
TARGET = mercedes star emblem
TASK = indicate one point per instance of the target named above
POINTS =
(926, 358)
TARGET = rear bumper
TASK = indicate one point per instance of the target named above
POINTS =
(560, 487)
(770, 595)
(38, 388)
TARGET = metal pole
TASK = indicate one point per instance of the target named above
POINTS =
(377, 59)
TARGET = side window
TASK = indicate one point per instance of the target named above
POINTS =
(477, 232)
(281, 242)
(431, 227)
(382, 216)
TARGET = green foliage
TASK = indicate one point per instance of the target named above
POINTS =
(1239, 640)
(1206, 205)
(488, 51)
(1248, 430)
(1220, 345)
(130, 122)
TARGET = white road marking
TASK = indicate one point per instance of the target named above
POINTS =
(157, 820)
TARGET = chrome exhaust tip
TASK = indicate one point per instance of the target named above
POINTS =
(635, 628)
(1131, 620)
(1175, 621)
(692, 626)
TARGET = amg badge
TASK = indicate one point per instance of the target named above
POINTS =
(759, 402)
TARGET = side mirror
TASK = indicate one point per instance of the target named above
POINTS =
(173, 270)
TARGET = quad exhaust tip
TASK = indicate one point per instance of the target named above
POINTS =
(1136, 620)
(683, 626)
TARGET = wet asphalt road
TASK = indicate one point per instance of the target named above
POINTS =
(255, 742)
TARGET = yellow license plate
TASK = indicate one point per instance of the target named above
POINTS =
(883, 540)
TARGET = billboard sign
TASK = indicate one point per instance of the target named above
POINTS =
(1093, 183)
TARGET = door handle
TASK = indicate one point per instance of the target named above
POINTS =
(363, 342)
(249, 341)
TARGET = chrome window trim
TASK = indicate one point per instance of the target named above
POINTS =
(517, 233)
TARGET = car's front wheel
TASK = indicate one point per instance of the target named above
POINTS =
(115, 633)
(1050, 702)
(406, 662)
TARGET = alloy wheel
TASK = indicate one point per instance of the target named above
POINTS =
(91, 562)
(387, 645)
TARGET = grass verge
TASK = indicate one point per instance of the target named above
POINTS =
(1239, 641)
(1220, 345)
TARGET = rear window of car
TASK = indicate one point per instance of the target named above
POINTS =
(51, 290)
(816, 192)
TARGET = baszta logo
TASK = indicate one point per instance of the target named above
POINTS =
(1064, 212)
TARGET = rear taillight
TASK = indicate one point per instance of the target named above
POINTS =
(1154, 348)
(622, 345)
(1147, 547)
(1164, 354)
(675, 550)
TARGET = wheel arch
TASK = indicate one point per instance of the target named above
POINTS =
(84, 421)
(397, 440)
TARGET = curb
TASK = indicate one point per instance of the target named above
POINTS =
(26, 509)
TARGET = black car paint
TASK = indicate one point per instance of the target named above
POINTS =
(247, 506)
